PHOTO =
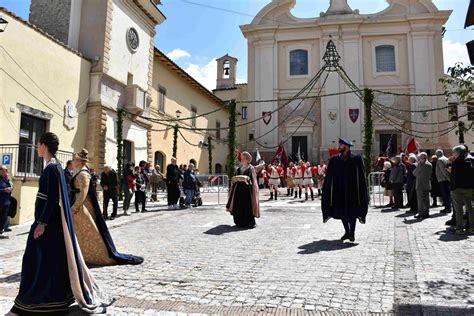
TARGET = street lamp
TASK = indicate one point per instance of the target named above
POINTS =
(3, 24)
(178, 113)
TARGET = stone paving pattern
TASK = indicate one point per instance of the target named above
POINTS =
(196, 262)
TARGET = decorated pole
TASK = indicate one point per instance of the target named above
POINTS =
(209, 150)
(175, 141)
(120, 148)
(231, 140)
(368, 129)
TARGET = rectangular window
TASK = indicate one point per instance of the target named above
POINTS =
(193, 116)
(218, 131)
(385, 58)
(298, 62)
(453, 112)
(161, 99)
(470, 111)
(127, 151)
(244, 113)
(31, 129)
(250, 136)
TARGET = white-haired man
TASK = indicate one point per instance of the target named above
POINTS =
(423, 185)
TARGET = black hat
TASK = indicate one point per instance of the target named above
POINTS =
(346, 141)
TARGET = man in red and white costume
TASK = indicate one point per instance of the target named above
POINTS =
(322, 169)
(274, 172)
(308, 179)
(290, 179)
(299, 172)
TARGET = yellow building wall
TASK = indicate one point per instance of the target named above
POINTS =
(39, 73)
(182, 95)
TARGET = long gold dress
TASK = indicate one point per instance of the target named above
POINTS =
(90, 241)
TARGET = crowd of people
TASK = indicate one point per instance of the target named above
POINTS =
(295, 178)
(426, 179)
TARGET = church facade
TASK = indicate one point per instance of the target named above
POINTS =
(397, 50)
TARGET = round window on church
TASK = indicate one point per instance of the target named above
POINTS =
(132, 39)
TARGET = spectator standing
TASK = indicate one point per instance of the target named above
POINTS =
(156, 178)
(386, 182)
(6, 187)
(140, 192)
(397, 174)
(128, 186)
(442, 175)
(423, 185)
(189, 184)
(462, 175)
(94, 178)
(68, 174)
(435, 190)
(172, 184)
(411, 184)
(109, 183)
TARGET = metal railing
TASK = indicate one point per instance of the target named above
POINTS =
(214, 183)
(22, 159)
(376, 191)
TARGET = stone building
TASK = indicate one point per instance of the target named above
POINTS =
(117, 36)
(44, 86)
(176, 94)
(398, 49)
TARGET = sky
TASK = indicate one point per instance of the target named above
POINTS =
(196, 32)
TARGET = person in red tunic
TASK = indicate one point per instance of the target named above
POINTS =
(274, 172)
(321, 174)
(308, 180)
(299, 171)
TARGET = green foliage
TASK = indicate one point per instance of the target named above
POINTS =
(460, 82)
(120, 148)
(231, 140)
(175, 141)
(368, 129)
(209, 142)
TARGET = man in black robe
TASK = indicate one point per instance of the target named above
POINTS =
(345, 194)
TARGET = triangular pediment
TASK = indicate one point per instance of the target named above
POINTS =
(299, 120)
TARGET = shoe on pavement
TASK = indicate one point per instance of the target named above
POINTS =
(445, 211)
(346, 236)
(112, 218)
(451, 222)
(7, 230)
(351, 237)
(144, 210)
(422, 216)
(460, 232)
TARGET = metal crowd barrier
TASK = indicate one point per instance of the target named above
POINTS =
(376, 191)
(214, 183)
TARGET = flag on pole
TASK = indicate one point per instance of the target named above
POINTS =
(299, 152)
(258, 157)
(413, 146)
(281, 156)
(389, 151)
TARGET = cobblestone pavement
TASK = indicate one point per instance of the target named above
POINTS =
(196, 262)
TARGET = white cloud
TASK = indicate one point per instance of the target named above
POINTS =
(205, 74)
(454, 52)
(178, 53)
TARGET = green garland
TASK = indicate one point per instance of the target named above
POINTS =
(231, 140)
(368, 129)
(120, 148)
(175, 142)
(209, 149)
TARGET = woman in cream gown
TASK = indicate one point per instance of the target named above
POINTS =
(93, 236)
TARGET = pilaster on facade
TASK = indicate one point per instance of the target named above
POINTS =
(108, 36)
(96, 134)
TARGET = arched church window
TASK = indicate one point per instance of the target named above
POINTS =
(385, 58)
(298, 62)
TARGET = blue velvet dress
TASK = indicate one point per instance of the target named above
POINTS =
(53, 262)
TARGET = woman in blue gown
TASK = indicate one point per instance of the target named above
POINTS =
(53, 273)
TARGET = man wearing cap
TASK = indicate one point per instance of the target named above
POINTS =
(345, 194)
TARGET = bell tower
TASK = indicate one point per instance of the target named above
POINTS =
(226, 72)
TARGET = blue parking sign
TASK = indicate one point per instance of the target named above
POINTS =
(6, 159)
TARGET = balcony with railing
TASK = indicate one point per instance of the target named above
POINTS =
(24, 161)
(136, 100)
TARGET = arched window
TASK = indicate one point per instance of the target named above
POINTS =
(218, 168)
(160, 160)
(298, 62)
(385, 58)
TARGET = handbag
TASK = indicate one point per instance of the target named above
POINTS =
(12, 210)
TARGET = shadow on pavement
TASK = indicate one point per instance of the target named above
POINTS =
(324, 245)
(389, 210)
(406, 214)
(224, 229)
(448, 235)
(14, 278)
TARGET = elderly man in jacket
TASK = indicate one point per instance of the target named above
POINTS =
(442, 175)
(462, 175)
(397, 175)
(423, 185)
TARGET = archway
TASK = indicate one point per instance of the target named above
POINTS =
(160, 159)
